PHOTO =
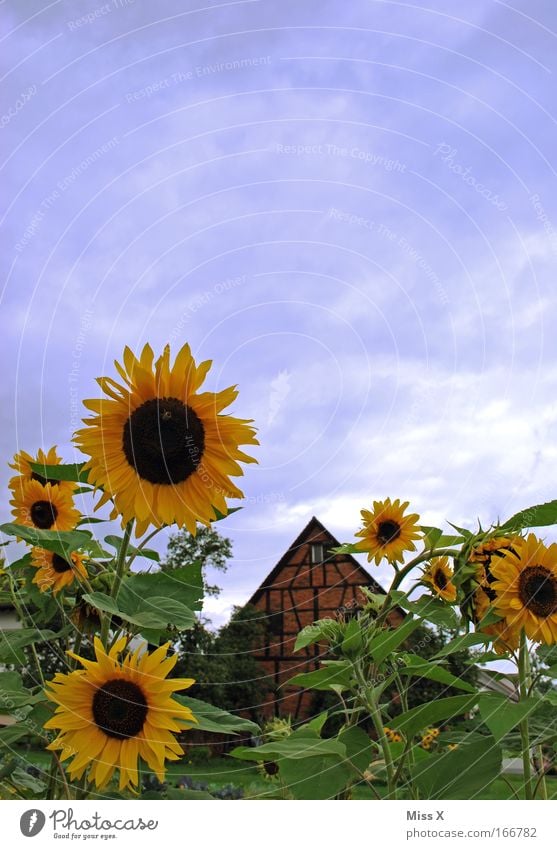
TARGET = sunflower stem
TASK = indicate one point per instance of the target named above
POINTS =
(118, 576)
(524, 684)
(375, 713)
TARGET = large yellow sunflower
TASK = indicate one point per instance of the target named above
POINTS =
(159, 448)
(526, 588)
(22, 465)
(387, 533)
(439, 575)
(54, 572)
(48, 507)
(115, 711)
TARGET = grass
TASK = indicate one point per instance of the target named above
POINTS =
(220, 771)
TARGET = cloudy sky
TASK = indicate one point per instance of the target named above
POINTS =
(349, 207)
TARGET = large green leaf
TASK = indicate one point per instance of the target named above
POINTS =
(417, 718)
(13, 694)
(184, 584)
(466, 641)
(62, 472)
(419, 668)
(11, 734)
(296, 747)
(155, 613)
(358, 747)
(314, 778)
(501, 715)
(538, 516)
(336, 673)
(12, 643)
(61, 542)
(211, 718)
(353, 638)
(387, 641)
(459, 774)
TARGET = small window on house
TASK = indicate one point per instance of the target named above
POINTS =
(318, 552)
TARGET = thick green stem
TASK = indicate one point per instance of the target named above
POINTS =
(524, 686)
(118, 576)
(375, 713)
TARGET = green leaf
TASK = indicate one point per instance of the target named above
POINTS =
(12, 692)
(13, 641)
(314, 778)
(353, 638)
(501, 715)
(419, 668)
(434, 610)
(462, 531)
(184, 584)
(418, 718)
(154, 612)
(61, 542)
(296, 747)
(211, 718)
(336, 673)
(358, 747)
(385, 643)
(466, 641)
(62, 472)
(551, 672)
(220, 516)
(459, 774)
(324, 629)
(10, 735)
(538, 516)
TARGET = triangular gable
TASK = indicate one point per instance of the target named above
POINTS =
(311, 533)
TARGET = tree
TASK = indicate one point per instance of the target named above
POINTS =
(207, 546)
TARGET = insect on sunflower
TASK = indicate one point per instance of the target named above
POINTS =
(526, 588)
(163, 451)
(439, 576)
(387, 533)
(115, 711)
(45, 507)
(55, 572)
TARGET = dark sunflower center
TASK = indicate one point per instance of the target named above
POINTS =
(388, 531)
(270, 767)
(164, 440)
(537, 588)
(120, 708)
(441, 579)
(43, 514)
(59, 564)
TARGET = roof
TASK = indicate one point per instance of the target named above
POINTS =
(313, 528)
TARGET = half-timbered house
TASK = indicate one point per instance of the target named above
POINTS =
(309, 582)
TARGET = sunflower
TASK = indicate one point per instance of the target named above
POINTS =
(504, 638)
(526, 588)
(488, 553)
(392, 736)
(45, 507)
(387, 533)
(22, 465)
(54, 572)
(159, 448)
(438, 575)
(114, 711)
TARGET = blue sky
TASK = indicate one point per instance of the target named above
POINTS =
(350, 208)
